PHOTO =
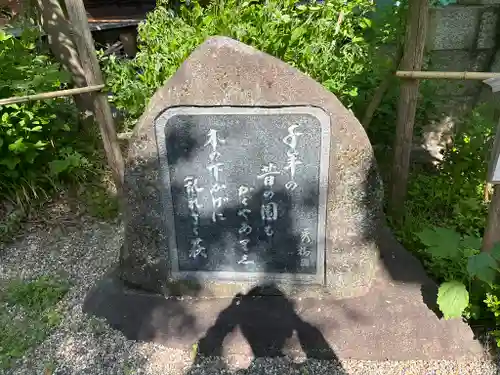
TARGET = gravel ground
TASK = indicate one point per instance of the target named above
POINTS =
(85, 345)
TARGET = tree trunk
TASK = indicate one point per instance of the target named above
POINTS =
(414, 46)
(55, 23)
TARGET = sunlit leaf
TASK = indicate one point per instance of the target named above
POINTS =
(452, 299)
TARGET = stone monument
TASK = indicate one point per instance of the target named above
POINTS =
(244, 170)
(246, 177)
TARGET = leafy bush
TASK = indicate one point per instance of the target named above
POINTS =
(37, 139)
(452, 195)
(444, 222)
(469, 277)
(311, 37)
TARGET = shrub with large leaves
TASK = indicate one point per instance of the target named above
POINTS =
(36, 138)
(324, 40)
(465, 266)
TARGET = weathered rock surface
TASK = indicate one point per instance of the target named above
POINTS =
(224, 72)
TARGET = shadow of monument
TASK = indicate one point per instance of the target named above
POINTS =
(267, 320)
(137, 313)
(398, 263)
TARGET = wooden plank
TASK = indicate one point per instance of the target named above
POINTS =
(102, 111)
(413, 54)
(51, 95)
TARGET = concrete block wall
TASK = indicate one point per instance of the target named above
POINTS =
(462, 37)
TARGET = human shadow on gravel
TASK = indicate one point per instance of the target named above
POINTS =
(267, 320)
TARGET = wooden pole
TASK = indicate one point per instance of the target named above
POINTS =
(102, 111)
(51, 95)
(413, 54)
(52, 17)
(447, 75)
(492, 230)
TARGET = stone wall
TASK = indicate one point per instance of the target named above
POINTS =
(463, 37)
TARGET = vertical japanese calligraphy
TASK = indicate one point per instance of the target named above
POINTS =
(192, 189)
(293, 156)
(217, 189)
(244, 191)
(304, 251)
(245, 228)
(269, 208)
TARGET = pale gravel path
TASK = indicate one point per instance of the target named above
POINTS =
(84, 345)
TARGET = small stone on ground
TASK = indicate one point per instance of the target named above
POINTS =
(85, 345)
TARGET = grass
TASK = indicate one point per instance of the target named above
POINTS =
(28, 312)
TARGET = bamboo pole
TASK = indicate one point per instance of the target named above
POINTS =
(50, 95)
(93, 75)
(480, 76)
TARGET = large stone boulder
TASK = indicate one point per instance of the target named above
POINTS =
(224, 72)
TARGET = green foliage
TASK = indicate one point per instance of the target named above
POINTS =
(27, 314)
(441, 242)
(37, 295)
(483, 267)
(469, 277)
(38, 139)
(452, 299)
(451, 195)
(99, 202)
(309, 37)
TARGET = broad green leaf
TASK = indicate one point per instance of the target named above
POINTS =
(471, 242)
(297, 33)
(58, 166)
(365, 22)
(40, 145)
(10, 162)
(4, 36)
(495, 252)
(18, 145)
(5, 117)
(452, 299)
(482, 266)
(441, 242)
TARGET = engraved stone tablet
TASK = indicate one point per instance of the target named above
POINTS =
(244, 191)
(242, 169)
